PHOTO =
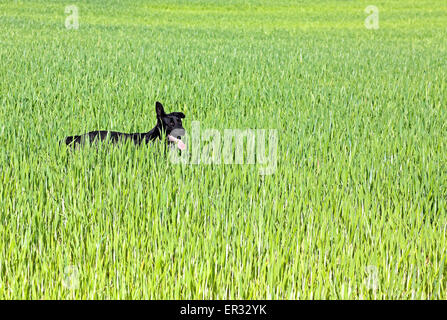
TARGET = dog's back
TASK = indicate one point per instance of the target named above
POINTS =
(72, 140)
(99, 135)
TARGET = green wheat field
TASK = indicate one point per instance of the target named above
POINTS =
(356, 208)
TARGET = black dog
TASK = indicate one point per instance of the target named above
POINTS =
(169, 124)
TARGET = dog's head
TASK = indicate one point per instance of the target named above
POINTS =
(171, 125)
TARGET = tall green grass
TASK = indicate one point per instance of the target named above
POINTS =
(359, 193)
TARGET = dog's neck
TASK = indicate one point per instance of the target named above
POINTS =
(153, 134)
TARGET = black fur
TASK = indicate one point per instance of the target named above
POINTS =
(166, 123)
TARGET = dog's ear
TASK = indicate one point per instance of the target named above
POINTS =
(178, 114)
(159, 109)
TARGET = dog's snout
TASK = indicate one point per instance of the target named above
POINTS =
(178, 132)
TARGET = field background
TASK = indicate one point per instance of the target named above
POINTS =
(356, 207)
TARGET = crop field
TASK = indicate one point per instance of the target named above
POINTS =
(353, 208)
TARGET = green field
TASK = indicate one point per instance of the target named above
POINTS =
(356, 208)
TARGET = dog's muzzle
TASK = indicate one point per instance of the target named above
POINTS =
(174, 137)
(177, 132)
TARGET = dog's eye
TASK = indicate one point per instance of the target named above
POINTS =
(172, 122)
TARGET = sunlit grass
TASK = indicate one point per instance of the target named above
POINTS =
(359, 188)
